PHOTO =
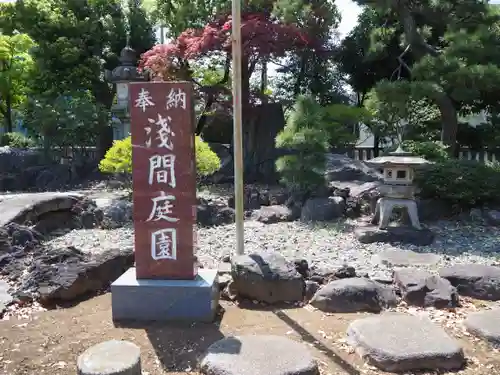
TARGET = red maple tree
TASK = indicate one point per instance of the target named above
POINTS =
(262, 37)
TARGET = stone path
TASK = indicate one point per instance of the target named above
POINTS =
(397, 342)
(485, 324)
(258, 355)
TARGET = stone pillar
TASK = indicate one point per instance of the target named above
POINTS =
(110, 358)
(164, 179)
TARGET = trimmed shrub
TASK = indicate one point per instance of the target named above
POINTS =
(430, 150)
(118, 159)
(16, 140)
(461, 183)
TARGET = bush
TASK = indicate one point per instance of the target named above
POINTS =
(118, 159)
(308, 135)
(305, 136)
(461, 183)
(432, 151)
(16, 140)
(429, 150)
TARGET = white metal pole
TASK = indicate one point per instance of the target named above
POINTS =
(237, 126)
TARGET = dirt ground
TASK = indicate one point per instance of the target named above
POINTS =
(50, 342)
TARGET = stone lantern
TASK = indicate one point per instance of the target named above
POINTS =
(398, 170)
(121, 76)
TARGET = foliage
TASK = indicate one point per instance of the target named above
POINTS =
(397, 107)
(118, 159)
(15, 68)
(71, 120)
(431, 150)
(454, 50)
(16, 140)
(207, 161)
(261, 36)
(461, 183)
(308, 135)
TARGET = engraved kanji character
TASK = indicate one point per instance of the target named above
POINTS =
(162, 208)
(144, 100)
(162, 166)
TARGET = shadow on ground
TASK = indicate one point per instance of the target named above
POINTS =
(307, 337)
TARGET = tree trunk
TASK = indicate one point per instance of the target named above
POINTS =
(420, 48)
(8, 114)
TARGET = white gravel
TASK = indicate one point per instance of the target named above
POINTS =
(329, 245)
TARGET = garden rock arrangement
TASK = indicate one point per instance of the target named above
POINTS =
(33, 269)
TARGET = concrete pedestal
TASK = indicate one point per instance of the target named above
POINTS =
(165, 300)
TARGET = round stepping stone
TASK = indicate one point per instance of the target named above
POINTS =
(110, 358)
(485, 324)
(258, 355)
(399, 342)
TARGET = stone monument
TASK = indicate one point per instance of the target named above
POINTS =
(165, 283)
(397, 191)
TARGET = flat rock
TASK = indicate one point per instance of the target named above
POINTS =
(267, 277)
(474, 280)
(112, 357)
(5, 298)
(258, 355)
(352, 295)
(406, 258)
(421, 288)
(399, 342)
(406, 235)
(485, 324)
(26, 207)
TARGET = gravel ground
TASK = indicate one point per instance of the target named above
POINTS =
(324, 245)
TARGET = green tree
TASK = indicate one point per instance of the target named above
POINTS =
(76, 42)
(456, 51)
(15, 68)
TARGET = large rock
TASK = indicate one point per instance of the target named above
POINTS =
(421, 288)
(267, 277)
(474, 280)
(323, 209)
(258, 355)
(51, 274)
(353, 295)
(398, 343)
(22, 208)
(485, 324)
(405, 235)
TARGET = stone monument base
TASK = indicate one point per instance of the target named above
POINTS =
(403, 234)
(165, 300)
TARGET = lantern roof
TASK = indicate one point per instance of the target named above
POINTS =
(127, 71)
(398, 157)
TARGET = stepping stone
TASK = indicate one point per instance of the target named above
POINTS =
(258, 355)
(353, 295)
(406, 258)
(112, 357)
(399, 342)
(474, 280)
(485, 324)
